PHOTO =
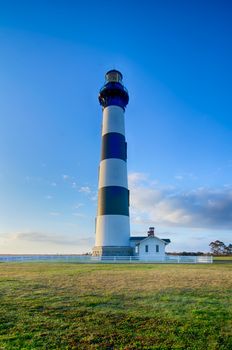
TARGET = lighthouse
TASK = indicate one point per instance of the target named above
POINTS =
(112, 221)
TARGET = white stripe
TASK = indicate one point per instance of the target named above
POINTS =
(113, 172)
(113, 120)
(112, 230)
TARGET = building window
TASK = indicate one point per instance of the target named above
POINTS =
(136, 249)
(157, 248)
(146, 248)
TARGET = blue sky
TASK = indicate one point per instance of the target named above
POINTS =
(176, 60)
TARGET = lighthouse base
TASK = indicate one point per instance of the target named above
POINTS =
(112, 251)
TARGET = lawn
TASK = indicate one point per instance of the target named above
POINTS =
(228, 258)
(81, 306)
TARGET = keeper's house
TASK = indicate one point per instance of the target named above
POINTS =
(150, 246)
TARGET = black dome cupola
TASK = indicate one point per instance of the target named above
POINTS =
(113, 92)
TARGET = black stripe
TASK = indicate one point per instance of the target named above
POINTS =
(113, 146)
(113, 200)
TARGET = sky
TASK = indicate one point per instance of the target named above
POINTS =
(175, 57)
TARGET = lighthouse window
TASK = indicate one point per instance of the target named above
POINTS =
(146, 248)
(157, 248)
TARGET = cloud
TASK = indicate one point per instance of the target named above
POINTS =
(48, 196)
(79, 215)
(85, 189)
(94, 196)
(179, 177)
(54, 213)
(70, 180)
(78, 205)
(173, 207)
(187, 176)
(134, 178)
(51, 238)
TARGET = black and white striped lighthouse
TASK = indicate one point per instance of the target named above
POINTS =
(112, 222)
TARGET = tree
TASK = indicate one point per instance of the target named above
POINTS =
(218, 247)
(228, 249)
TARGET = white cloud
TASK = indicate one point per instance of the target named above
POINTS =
(54, 213)
(48, 196)
(174, 207)
(78, 205)
(94, 197)
(179, 177)
(85, 189)
(79, 215)
(70, 180)
(185, 176)
(51, 238)
(134, 178)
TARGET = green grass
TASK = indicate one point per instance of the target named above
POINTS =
(223, 258)
(74, 306)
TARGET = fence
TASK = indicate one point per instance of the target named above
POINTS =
(167, 259)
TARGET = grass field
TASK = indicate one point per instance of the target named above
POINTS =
(228, 258)
(74, 306)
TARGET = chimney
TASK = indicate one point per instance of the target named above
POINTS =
(151, 232)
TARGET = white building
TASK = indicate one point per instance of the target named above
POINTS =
(149, 247)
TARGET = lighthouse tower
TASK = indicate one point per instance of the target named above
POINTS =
(112, 222)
